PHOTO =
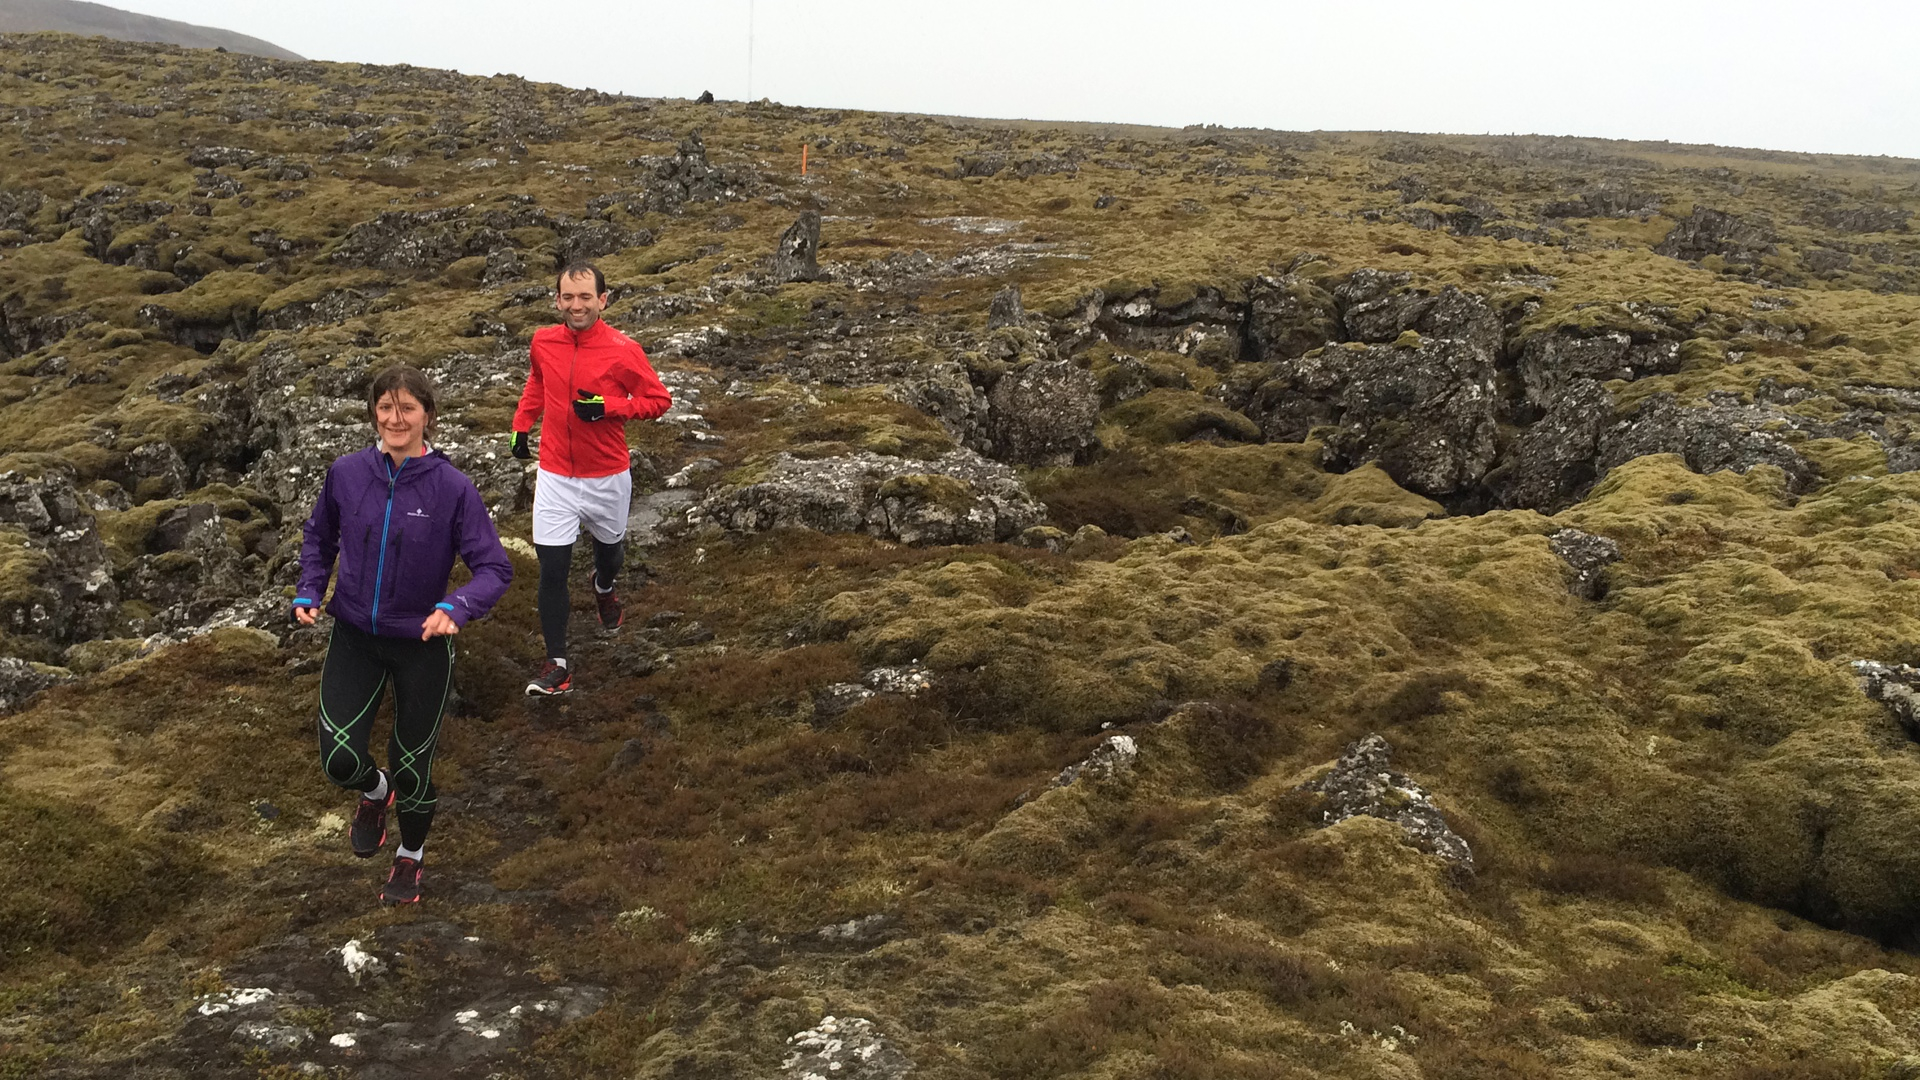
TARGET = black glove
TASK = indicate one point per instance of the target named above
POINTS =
(590, 406)
(520, 448)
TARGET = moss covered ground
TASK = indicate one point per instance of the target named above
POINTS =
(1694, 834)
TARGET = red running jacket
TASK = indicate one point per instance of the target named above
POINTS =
(599, 360)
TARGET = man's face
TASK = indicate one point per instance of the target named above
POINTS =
(579, 305)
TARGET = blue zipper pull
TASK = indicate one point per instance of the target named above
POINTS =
(379, 573)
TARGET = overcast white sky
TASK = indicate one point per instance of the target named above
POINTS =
(1838, 76)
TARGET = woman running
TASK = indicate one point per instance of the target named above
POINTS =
(394, 514)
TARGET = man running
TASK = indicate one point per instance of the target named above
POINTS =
(587, 379)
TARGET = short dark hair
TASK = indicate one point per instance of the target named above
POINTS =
(576, 269)
(402, 377)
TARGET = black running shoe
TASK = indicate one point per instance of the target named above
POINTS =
(403, 884)
(369, 830)
(553, 679)
(608, 604)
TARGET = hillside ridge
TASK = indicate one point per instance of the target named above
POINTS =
(1182, 604)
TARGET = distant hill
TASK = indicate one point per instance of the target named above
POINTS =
(75, 17)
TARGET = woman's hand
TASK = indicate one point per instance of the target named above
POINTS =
(437, 624)
(306, 615)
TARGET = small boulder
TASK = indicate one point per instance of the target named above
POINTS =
(1109, 759)
(1044, 414)
(1894, 686)
(849, 1048)
(1005, 309)
(797, 257)
(1588, 557)
(1360, 784)
(1707, 231)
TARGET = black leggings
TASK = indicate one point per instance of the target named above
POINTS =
(358, 667)
(556, 560)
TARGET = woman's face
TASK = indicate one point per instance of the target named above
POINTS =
(401, 421)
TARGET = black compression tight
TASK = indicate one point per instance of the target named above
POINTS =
(556, 560)
(358, 668)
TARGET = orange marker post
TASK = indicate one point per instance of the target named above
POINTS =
(803, 159)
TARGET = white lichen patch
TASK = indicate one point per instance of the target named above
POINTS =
(359, 962)
(848, 1048)
(229, 1000)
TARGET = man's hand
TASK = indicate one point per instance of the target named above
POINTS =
(437, 624)
(589, 406)
(520, 448)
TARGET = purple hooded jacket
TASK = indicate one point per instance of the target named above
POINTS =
(396, 532)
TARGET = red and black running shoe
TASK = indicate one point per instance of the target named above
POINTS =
(368, 833)
(403, 884)
(608, 604)
(553, 679)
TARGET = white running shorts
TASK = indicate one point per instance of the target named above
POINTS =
(561, 504)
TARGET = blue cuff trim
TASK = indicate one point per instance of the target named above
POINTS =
(301, 601)
(444, 606)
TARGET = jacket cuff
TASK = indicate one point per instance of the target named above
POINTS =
(456, 612)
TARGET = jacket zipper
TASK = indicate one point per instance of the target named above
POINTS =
(393, 477)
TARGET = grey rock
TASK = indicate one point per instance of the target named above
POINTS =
(908, 681)
(958, 498)
(944, 391)
(1712, 437)
(631, 753)
(1425, 413)
(797, 257)
(1550, 463)
(831, 701)
(1588, 557)
(1606, 200)
(1360, 784)
(1288, 317)
(1707, 231)
(157, 471)
(334, 306)
(70, 594)
(1111, 758)
(1825, 260)
(1866, 219)
(504, 264)
(272, 1037)
(1005, 309)
(170, 532)
(20, 680)
(687, 176)
(1550, 363)
(849, 1048)
(863, 931)
(1896, 686)
(1044, 414)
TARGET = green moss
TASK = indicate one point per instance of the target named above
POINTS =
(1368, 496)
(1169, 416)
(108, 886)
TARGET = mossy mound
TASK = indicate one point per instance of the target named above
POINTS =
(105, 886)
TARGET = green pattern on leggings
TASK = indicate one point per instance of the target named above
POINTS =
(342, 735)
(419, 761)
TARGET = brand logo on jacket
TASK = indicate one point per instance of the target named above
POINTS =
(417, 512)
